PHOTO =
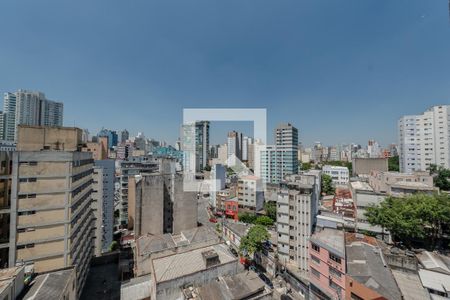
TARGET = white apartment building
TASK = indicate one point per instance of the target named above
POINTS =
(424, 139)
(297, 207)
(339, 175)
(250, 193)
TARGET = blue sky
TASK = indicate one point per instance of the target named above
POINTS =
(339, 70)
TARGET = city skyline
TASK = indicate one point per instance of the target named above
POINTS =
(385, 62)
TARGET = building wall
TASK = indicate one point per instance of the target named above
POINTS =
(424, 139)
(36, 138)
(296, 211)
(363, 166)
(51, 210)
(250, 195)
(162, 206)
(339, 175)
(320, 275)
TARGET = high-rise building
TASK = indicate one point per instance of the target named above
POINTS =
(425, 139)
(281, 159)
(195, 144)
(51, 217)
(29, 108)
(9, 117)
(246, 144)
(111, 135)
(298, 200)
(103, 204)
(234, 144)
(124, 136)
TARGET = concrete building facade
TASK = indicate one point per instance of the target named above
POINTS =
(250, 193)
(162, 206)
(297, 207)
(398, 184)
(339, 175)
(424, 139)
(52, 224)
(103, 204)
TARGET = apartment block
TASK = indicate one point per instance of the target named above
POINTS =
(195, 144)
(103, 204)
(250, 193)
(52, 224)
(424, 139)
(277, 161)
(297, 207)
(234, 144)
(327, 264)
(29, 108)
(339, 175)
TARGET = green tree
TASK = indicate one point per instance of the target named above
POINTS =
(247, 218)
(207, 168)
(254, 239)
(418, 217)
(271, 210)
(114, 246)
(264, 220)
(393, 164)
(327, 185)
(306, 166)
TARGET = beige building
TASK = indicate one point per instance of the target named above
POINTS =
(98, 149)
(250, 193)
(397, 184)
(51, 217)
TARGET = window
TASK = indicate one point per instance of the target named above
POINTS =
(335, 272)
(315, 247)
(334, 258)
(333, 285)
(315, 259)
(355, 297)
(315, 273)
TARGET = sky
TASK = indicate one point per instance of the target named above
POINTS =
(340, 71)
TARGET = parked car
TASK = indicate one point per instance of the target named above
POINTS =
(213, 220)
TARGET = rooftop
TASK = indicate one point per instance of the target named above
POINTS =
(238, 228)
(410, 285)
(148, 244)
(329, 238)
(365, 264)
(435, 281)
(183, 264)
(361, 185)
(433, 262)
(50, 285)
(241, 286)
